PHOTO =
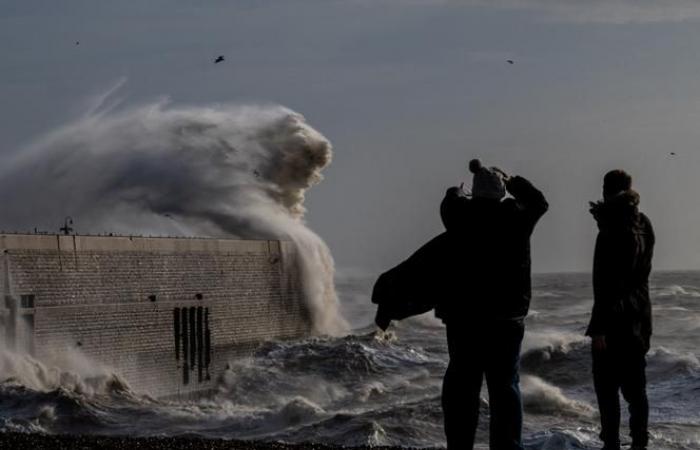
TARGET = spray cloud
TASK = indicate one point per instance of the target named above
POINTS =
(159, 169)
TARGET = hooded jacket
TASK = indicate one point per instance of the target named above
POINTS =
(490, 250)
(621, 266)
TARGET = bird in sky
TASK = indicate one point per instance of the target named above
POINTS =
(77, 42)
(510, 61)
(673, 153)
(218, 60)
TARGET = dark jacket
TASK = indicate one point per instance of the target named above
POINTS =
(413, 287)
(490, 267)
(621, 268)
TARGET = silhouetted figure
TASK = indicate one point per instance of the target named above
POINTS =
(488, 299)
(218, 59)
(620, 324)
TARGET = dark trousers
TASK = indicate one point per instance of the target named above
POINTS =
(621, 368)
(491, 349)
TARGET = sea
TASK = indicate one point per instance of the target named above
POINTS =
(383, 388)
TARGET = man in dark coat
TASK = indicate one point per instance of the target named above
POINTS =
(489, 299)
(620, 325)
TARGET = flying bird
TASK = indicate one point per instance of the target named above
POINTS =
(510, 61)
(77, 42)
(672, 153)
(218, 60)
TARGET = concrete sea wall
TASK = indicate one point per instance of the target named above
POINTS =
(168, 314)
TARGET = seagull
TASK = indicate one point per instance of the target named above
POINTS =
(77, 42)
(510, 61)
(218, 60)
(673, 153)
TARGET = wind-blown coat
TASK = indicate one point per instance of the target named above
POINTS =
(490, 276)
(621, 267)
(478, 269)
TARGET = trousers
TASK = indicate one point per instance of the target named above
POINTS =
(491, 350)
(621, 368)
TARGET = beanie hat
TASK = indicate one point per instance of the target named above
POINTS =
(488, 182)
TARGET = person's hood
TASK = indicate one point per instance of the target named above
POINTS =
(619, 211)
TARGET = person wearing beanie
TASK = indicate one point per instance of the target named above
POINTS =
(486, 302)
(620, 325)
(488, 182)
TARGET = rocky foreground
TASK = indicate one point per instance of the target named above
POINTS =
(22, 441)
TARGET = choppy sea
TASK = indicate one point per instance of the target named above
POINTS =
(383, 388)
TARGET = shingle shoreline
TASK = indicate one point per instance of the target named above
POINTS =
(33, 441)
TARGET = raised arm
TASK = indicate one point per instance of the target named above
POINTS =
(453, 209)
(531, 202)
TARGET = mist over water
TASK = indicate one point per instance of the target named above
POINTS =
(223, 170)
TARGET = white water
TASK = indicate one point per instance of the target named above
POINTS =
(367, 388)
(223, 170)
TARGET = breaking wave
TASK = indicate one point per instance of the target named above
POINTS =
(361, 389)
(166, 170)
(70, 371)
(559, 358)
(540, 397)
(665, 363)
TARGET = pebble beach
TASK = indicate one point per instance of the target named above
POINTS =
(27, 441)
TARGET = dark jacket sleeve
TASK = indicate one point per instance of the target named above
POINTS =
(530, 201)
(412, 287)
(453, 209)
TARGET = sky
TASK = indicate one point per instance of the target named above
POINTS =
(408, 91)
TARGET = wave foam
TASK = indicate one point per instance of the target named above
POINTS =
(540, 397)
(69, 370)
(205, 171)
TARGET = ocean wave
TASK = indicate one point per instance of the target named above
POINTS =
(663, 363)
(558, 440)
(549, 339)
(675, 290)
(536, 293)
(355, 356)
(334, 373)
(568, 362)
(559, 358)
(366, 389)
(670, 308)
(69, 370)
(540, 397)
(300, 410)
(415, 423)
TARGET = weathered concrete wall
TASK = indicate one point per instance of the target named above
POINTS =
(166, 313)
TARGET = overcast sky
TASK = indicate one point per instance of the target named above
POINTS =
(407, 91)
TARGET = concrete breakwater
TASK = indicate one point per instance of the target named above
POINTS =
(167, 314)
